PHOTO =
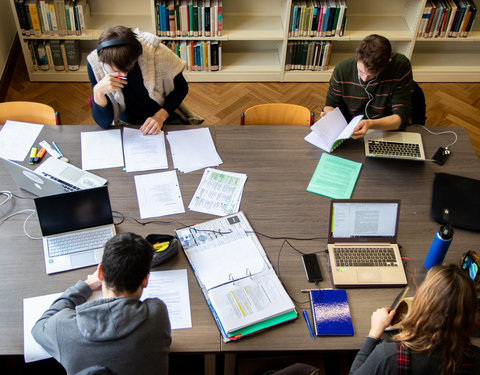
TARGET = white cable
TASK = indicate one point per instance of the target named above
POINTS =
(440, 133)
(8, 195)
(24, 223)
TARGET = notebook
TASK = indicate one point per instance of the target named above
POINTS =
(394, 145)
(362, 243)
(75, 227)
(69, 174)
(30, 181)
(331, 313)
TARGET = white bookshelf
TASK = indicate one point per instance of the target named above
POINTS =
(255, 37)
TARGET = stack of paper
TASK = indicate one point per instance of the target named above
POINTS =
(16, 139)
(219, 193)
(193, 149)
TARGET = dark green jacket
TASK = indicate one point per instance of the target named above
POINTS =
(391, 89)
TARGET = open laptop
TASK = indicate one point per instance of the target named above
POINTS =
(362, 243)
(69, 174)
(394, 145)
(75, 227)
(32, 182)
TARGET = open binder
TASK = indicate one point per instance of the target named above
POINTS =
(238, 281)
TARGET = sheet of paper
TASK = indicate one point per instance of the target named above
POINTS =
(334, 177)
(227, 262)
(219, 193)
(33, 308)
(144, 152)
(17, 138)
(193, 149)
(101, 149)
(172, 288)
(158, 194)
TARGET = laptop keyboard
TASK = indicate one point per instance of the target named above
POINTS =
(76, 242)
(66, 186)
(394, 148)
(364, 257)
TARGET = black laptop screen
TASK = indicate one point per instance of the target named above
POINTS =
(72, 211)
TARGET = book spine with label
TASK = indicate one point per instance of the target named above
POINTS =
(41, 55)
(72, 49)
(48, 52)
(33, 11)
(57, 55)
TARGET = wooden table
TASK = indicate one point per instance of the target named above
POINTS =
(279, 165)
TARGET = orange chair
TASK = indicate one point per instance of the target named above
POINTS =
(37, 113)
(277, 114)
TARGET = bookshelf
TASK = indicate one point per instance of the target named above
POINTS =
(255, 38)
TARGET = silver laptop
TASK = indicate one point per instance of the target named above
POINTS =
(65, 172)
(75, 227)
(32, 182)
(394, 145)
(362, 243)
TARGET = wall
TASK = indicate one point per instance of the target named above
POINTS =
(7, 32)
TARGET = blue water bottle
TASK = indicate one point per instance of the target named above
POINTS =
(442, 240)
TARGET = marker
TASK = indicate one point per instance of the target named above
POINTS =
(56, 148)
(305, 315)
(33, 153)
(40, 155)
(122, 77)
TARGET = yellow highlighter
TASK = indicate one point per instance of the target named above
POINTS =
(33, 153)
(161, 246)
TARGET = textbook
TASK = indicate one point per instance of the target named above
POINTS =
(331, 130)
(331, 313)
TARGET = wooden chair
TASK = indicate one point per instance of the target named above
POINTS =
(277, 114)
(37, 113)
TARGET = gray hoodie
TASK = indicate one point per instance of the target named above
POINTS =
(123, 334)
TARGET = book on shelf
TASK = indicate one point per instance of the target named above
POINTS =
(197, 55)
(34, 17)
(331, 313)
(72, 49)
(308, 55)
(57, 55)
(41, 55)
(48, 51)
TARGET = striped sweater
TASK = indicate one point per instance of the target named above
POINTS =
(391, 89)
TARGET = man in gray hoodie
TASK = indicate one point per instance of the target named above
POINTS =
(118, 331)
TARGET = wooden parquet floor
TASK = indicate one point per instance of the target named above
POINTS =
(222, 103)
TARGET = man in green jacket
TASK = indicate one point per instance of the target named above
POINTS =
(374, 83)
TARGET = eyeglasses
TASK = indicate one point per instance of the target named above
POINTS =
(470, 262)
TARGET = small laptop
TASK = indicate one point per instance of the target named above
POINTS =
(394, 145)
(32, 182)
(362, 243)
(69, 174)
(75, 227)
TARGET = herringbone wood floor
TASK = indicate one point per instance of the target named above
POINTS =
(222, 103)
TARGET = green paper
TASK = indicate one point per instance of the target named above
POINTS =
(265, 324)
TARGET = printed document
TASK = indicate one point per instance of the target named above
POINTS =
(17, 138)
(144, 152)
(101, 149)
(219, 193)
(158, 194)
(172, 288)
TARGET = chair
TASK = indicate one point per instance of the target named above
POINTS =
(37, 113)
(277, 114)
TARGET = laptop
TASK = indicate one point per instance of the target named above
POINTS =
(75, 227)
(69, 174)
(32, 182)
(394, 145)
(362, 243)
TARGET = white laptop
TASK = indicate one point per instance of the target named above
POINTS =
(362, 243)
(69, 174)
(32, 182)
(394, 145)
(75, 227)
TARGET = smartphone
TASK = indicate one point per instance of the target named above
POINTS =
(312, 267)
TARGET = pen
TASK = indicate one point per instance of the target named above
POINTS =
(308, 323)
(56, 148)
(40, 155)
(311, 290)
(120, 77)
(33, 153)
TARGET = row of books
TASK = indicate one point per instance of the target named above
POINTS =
(52, 17)
(318, 18)
(58, 55)
(306, 55)
(189, 18)
(198, 55)
(447, 19)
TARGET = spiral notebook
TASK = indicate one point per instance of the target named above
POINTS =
(331, 313)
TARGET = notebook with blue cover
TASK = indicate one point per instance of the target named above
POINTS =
(331, 313)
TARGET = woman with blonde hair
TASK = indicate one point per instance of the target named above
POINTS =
(435, 335)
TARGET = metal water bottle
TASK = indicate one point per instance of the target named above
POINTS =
(442, 240)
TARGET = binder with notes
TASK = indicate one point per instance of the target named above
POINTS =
(238, 281)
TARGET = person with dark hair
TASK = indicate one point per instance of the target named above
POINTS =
(118, 331)
(376, 84)
(135, 80)
(435, 336)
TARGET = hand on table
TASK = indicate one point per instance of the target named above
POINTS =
(154, 124)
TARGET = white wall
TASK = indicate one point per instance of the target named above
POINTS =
(7, 32)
